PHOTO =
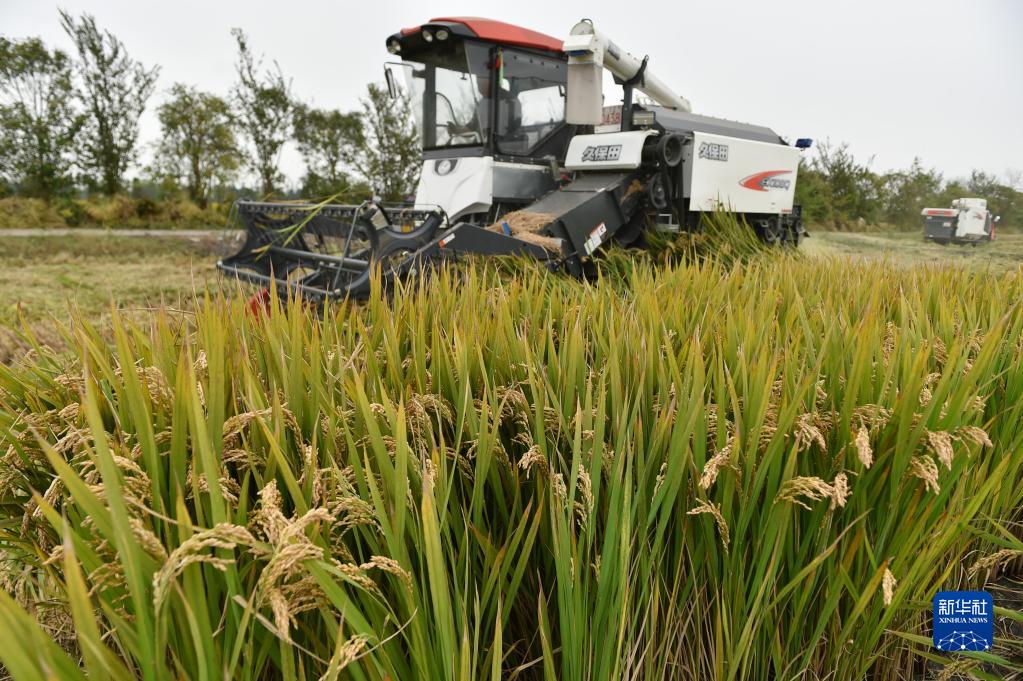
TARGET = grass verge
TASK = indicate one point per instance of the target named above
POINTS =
(110, 212)
(42, 278)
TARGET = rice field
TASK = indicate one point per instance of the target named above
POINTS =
(749, 466)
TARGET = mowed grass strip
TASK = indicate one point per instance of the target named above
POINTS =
(731, 471)
(43, 277)
(1005, 253)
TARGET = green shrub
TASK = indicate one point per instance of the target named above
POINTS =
(25, 213)
(71, 212)
(146, 209)
(114, 212)
(110, 211)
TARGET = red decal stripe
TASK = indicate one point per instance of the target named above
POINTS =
(756, 182)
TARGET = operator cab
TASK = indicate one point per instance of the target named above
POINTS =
(489, 104)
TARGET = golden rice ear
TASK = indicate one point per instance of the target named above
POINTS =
(995, 560)
(535, 458)
(347, 651)
(840, 491)
(924, 468)
(719, 520)
(810, 428)
(974, 434)
(584, 507)
(661, 475)
(389, 565)
(888, 584)
(863, 450)
(810, 488)
(940, 443)
(715, 463)
(225, 537)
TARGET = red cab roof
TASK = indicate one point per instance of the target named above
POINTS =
(508, 34)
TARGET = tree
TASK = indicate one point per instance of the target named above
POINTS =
(388, 154)
(907, 192)
(1014, 179)
(851, 190)
(198, 144)
(265, 111)
(953, 189)
(114, 91)
(813, 194)
(1002, 200)
(38, 119)
(327, 140)
(836, 189)
(982, 184)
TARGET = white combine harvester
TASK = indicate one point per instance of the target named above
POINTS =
(968, 221)
(521, 156)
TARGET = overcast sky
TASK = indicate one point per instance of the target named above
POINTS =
(938, 79)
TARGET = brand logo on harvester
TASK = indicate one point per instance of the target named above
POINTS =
(963, 620)
(713, 151)
(602, 152)
(768, 179)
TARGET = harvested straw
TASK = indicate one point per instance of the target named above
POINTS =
(633, 188)
(526, 225)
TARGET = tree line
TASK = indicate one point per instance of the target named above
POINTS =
(70, 123)
(837, 190)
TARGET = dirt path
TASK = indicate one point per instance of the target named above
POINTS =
(193, 234)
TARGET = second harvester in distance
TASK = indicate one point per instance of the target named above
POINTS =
(968, 221)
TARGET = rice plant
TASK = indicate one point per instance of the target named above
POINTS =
(751, 470)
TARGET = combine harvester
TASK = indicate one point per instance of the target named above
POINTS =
(968, 221)
(520, 156)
